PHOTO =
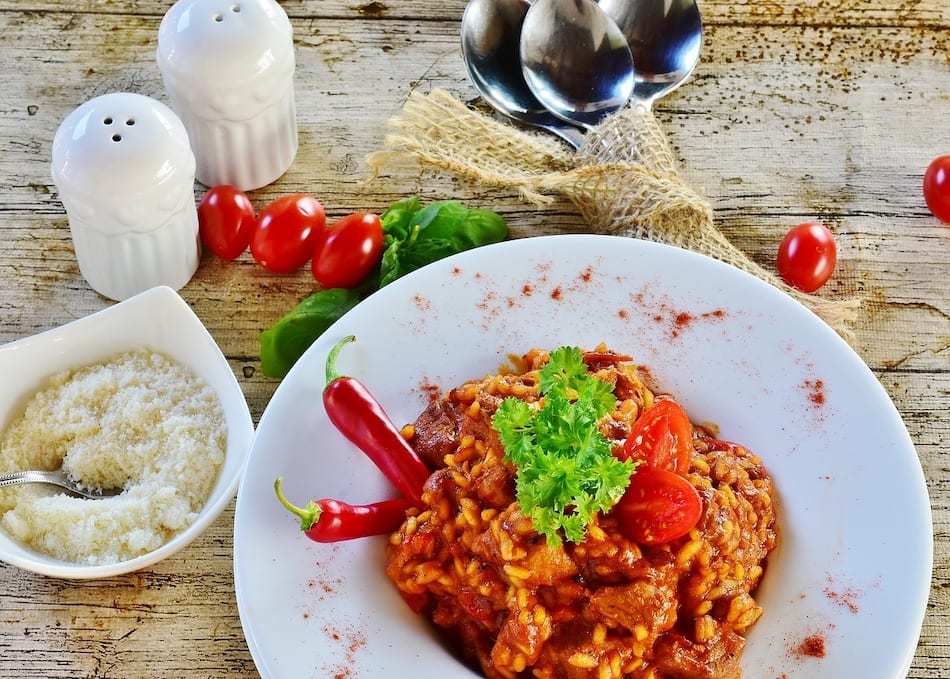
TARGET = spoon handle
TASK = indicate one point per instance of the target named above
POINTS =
(572, 135)
(33, 476)
(56, 478)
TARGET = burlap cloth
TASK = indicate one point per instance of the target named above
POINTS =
(623, 179)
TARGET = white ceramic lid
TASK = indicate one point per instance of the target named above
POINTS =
(214, 42)
(119, 145)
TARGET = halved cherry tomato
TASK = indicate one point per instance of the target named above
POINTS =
(658, 506)
(226, 221)
(937, 188)
(286, 232)
(348, 251)
(662, 437)
(807, 256)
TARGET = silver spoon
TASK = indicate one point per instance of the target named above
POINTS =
(490, 33)
(665, 37)
(59, 478)
(576, 60)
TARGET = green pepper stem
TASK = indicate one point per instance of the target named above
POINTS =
(332, 372)
(309, 515)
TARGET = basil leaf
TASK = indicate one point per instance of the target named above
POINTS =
(391, 267)
(466, 228)
(440, 218)
(286, 341)
(482, 227)
(397, 220)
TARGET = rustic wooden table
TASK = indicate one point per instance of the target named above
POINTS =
(798, 110)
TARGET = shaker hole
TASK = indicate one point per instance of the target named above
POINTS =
(218, 17)
(117, 137)
(107, 120)
(236, 9)
(130, 122)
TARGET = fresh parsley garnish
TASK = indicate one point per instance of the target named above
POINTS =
(566, 473)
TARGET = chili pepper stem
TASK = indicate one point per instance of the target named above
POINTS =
(309, 515)
(332, 372)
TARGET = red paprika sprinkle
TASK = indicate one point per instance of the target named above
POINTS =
(813, 646)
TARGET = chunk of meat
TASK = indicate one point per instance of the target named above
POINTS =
(522, 637)
(676, 657)
(549, 565)
(437, 432)
(647, 603)
(495, 487)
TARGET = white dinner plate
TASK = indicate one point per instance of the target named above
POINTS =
(852, 571)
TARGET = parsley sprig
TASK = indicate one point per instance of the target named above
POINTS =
(566, 473)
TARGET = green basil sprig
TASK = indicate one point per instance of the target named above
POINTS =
(416, 235)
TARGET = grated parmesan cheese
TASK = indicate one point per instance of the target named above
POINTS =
(138, 421)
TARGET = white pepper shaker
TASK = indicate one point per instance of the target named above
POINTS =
(125, 172)
(228, 69)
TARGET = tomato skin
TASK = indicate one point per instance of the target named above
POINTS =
(226, 220)
(346, 253)
(937, 188)
(661, 437)
(658, 506)
(807, 256)
(286, 231)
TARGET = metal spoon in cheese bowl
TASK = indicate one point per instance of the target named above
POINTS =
(665, 37)
(576, 60)
(490, 48)
(60, 478)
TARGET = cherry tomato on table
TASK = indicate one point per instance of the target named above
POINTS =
(347, 252)
(937, 188)
(658, 506)
(286, 232)
(807, 256)
(662, 437)
(226, 221)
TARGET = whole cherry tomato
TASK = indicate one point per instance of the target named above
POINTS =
(661, 437)
(286, 232)
(226, 221)
(347, 252)
(937, 188)
(807, 256)
(658, 506)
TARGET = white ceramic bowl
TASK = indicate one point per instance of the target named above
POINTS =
(157, 319)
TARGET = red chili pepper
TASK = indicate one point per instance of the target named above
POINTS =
(332, 520)
(360, 418)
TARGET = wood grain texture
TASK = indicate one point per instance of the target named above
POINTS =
(824, 110)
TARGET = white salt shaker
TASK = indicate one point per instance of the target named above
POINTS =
(228, 69)
(125, 173)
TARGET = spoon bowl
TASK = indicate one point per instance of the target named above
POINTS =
(490, 33)
(665, 37)
(576, 60)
